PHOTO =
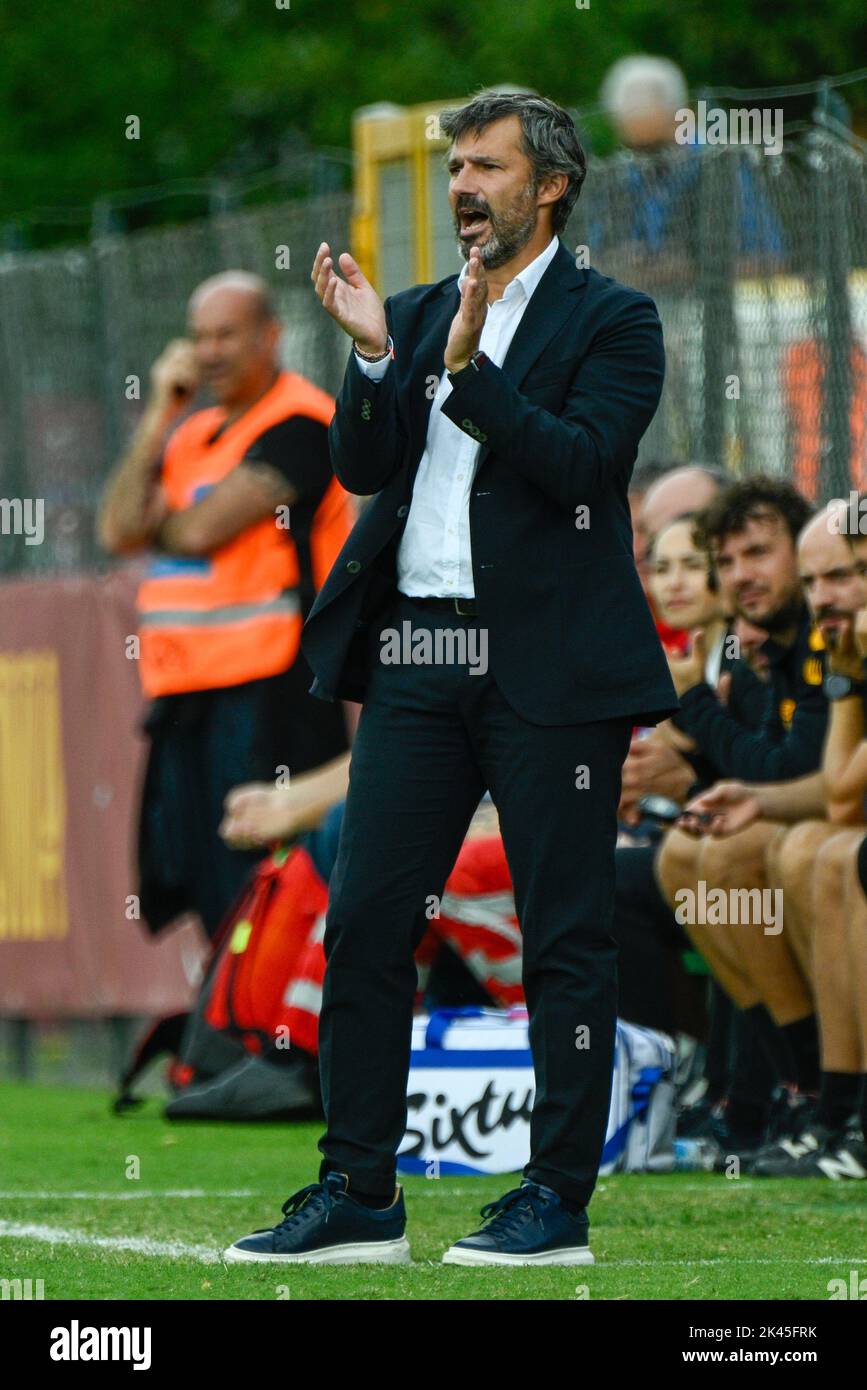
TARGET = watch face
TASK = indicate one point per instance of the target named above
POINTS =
(837, 686)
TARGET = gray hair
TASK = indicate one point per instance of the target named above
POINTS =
(549, 139)
(640, 83)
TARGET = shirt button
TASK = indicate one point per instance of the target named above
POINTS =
(460, 477)
(402, 511)
(353, 566)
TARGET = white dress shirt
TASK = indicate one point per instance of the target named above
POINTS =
(434, 558)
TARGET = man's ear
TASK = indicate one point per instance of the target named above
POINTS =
(551, 188)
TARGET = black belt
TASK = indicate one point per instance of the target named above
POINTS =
(465, 607)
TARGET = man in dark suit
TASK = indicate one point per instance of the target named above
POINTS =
(494, 418)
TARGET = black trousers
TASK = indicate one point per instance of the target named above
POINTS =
(430, 739)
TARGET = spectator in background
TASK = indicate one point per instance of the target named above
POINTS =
(751, 531)
(816, 862)
(684, 593)
(644, 475)
(241, 505)
(686, 488)
(643, 96)
(682, 489)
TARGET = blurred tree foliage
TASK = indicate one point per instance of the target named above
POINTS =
(224, 87)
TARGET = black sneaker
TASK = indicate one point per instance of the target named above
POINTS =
(323, 1224)
(798, 1135)
(797, 1155)
(847, 1158)
(527, 1226)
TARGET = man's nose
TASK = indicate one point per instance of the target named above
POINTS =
(822, 595)
(463, 185)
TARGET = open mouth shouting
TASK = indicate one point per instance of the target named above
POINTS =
(471, 222)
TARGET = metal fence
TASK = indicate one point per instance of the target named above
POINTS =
(757, 262)
(81, 327)
(758, 265)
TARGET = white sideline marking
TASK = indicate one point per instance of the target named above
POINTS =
(136, 1245)
(122, 1196)
(204, 1254)
(737, 1260)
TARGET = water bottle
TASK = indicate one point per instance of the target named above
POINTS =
(692, 1156)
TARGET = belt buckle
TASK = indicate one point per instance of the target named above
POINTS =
(465, 613)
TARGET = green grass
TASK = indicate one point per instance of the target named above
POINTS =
(682, 1236)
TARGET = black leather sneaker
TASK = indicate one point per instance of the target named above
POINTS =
(323, 1224)
(846, 1158)
(798, 1136)
(527, 1226)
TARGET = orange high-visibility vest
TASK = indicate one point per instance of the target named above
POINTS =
(234, 615)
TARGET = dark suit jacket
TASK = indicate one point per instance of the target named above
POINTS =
(570, 635)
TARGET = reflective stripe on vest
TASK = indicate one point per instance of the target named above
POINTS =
(233, 615)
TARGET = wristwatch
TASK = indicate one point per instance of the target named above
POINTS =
(375, 356)
(473, 365)
(836, 687)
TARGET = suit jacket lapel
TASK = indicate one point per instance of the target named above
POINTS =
(551, 304)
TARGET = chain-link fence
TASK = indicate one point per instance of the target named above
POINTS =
(758, 265)
(80, 329)
(757, 261)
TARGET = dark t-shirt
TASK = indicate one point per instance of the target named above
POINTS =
(296, 448)
(788, 742)
(747, 703)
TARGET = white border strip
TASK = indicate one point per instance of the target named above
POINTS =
(134, 1245)
(133, 1196)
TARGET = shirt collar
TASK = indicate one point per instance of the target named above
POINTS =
(529, 277)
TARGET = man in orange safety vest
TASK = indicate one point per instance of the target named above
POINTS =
(239, 505)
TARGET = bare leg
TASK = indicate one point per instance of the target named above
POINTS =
(765, 958)
(856, 916)
(791, 863)
(677, 867)
(833, 975)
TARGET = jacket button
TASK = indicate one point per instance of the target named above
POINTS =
(402, 511)
(353, 566)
